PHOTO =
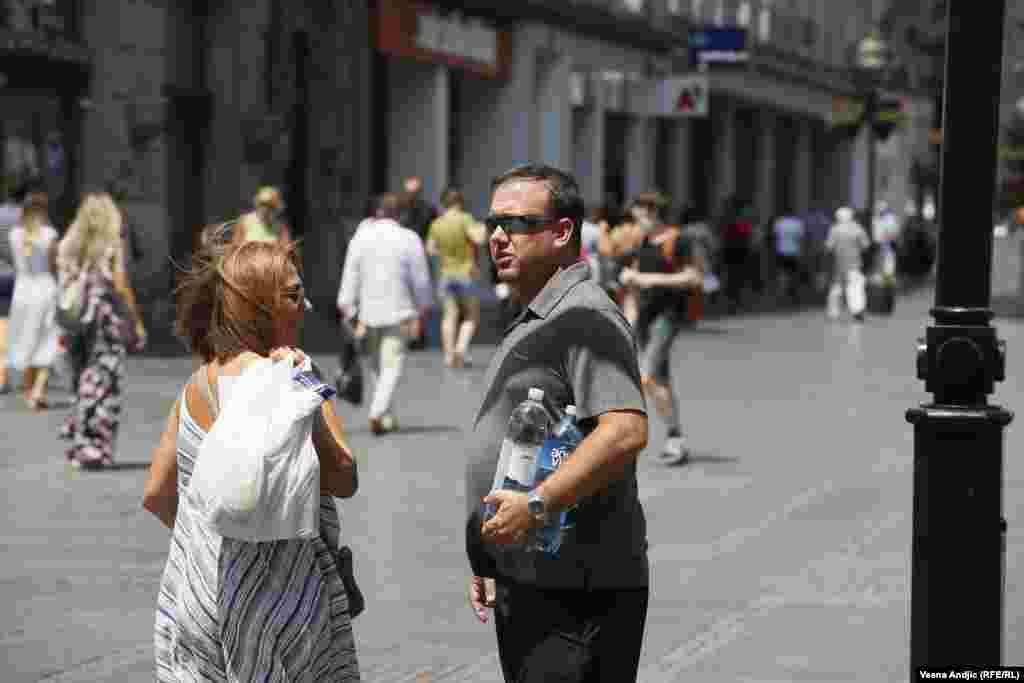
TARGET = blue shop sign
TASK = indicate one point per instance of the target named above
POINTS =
(718, 46)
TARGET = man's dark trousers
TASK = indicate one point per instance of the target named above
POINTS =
(569, 636)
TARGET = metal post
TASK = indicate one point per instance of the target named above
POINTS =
(958, 530)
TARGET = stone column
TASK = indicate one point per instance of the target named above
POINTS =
(724, 121)
(640, 133)
(858, 171)
(554, 144)
(767, 165)
(803, 166)
(417, 123)
(588, 147)
(680, 133)
(498, 121)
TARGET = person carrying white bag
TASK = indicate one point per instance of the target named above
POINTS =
(258, 475)
(232, 609)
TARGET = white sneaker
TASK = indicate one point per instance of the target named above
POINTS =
(674, 452)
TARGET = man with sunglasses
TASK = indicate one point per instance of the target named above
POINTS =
(579, 615)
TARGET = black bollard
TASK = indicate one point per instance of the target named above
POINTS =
(958, 553)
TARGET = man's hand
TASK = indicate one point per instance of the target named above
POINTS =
(511, 522)
(482, 596)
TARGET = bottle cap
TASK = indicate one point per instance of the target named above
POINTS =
(536, 394)
(570, 410)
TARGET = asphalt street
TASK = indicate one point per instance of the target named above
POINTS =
(781, 552)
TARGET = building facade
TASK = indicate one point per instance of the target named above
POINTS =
(186, 107)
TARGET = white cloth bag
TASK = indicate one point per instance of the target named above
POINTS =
(258, 476)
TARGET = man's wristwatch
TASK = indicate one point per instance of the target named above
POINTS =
(537, 506)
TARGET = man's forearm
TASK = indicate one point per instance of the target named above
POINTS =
(599, 460)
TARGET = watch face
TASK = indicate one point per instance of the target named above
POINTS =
(535, 506)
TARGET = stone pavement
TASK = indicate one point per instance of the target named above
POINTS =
(781, 553)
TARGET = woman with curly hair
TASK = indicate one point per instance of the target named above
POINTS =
(233, 610)
(92, 250)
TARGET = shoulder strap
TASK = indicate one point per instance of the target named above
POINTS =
(202, 374)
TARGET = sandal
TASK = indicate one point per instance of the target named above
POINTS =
(38, 403)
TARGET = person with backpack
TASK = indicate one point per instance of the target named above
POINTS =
(668, 276)
(91, 264)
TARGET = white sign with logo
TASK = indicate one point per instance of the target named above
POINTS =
(466, 38)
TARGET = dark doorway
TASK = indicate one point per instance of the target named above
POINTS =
(297, 174)
(379, 92)
(702, 165)
(615, 159)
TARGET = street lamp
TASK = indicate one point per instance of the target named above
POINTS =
(871, 62)
(958, 552)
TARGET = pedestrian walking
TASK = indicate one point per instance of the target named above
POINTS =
(386, 284)
(737, 253)
(788, 232)
(578, 616)
(286, 616)
(92, 253)
(454, 238)
(669, 278)
(32, 329)
(10, 215)
(847, 241)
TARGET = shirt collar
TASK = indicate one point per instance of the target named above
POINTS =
(557, 287)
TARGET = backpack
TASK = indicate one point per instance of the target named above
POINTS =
(71, 305)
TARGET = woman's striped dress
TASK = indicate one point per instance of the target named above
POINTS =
(232, 610)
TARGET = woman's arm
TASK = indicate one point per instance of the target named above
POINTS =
(160, 494)
(338, 474)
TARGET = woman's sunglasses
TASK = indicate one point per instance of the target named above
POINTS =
(518, 225)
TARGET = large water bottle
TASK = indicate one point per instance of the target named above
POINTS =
(556, 449)
(527, 429)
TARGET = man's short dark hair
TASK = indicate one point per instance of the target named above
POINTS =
(565, 192)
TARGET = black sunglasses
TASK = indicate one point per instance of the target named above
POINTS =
(520, 225)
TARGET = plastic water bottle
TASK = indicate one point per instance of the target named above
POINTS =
(556, 449)
(527, 429)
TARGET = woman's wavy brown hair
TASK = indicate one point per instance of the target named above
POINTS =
(229, 297)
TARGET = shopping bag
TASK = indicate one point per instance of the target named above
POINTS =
(349, 380)
(258, 476)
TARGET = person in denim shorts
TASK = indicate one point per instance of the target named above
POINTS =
(667, 272)
(453, 239)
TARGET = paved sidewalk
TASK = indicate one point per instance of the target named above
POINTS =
(781, 553)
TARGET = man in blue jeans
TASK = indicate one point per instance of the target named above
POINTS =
(580, 615)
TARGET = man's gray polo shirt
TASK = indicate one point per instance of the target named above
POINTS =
(573, 342)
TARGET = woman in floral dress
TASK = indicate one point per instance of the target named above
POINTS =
(92, 248)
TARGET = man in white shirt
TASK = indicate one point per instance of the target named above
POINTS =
(386, 283)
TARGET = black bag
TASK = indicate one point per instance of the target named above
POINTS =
(6, 281)
(881, 299)
(356, 602)
(349, 381)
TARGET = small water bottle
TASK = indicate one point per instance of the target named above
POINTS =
(556, 449)
(528, 427)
